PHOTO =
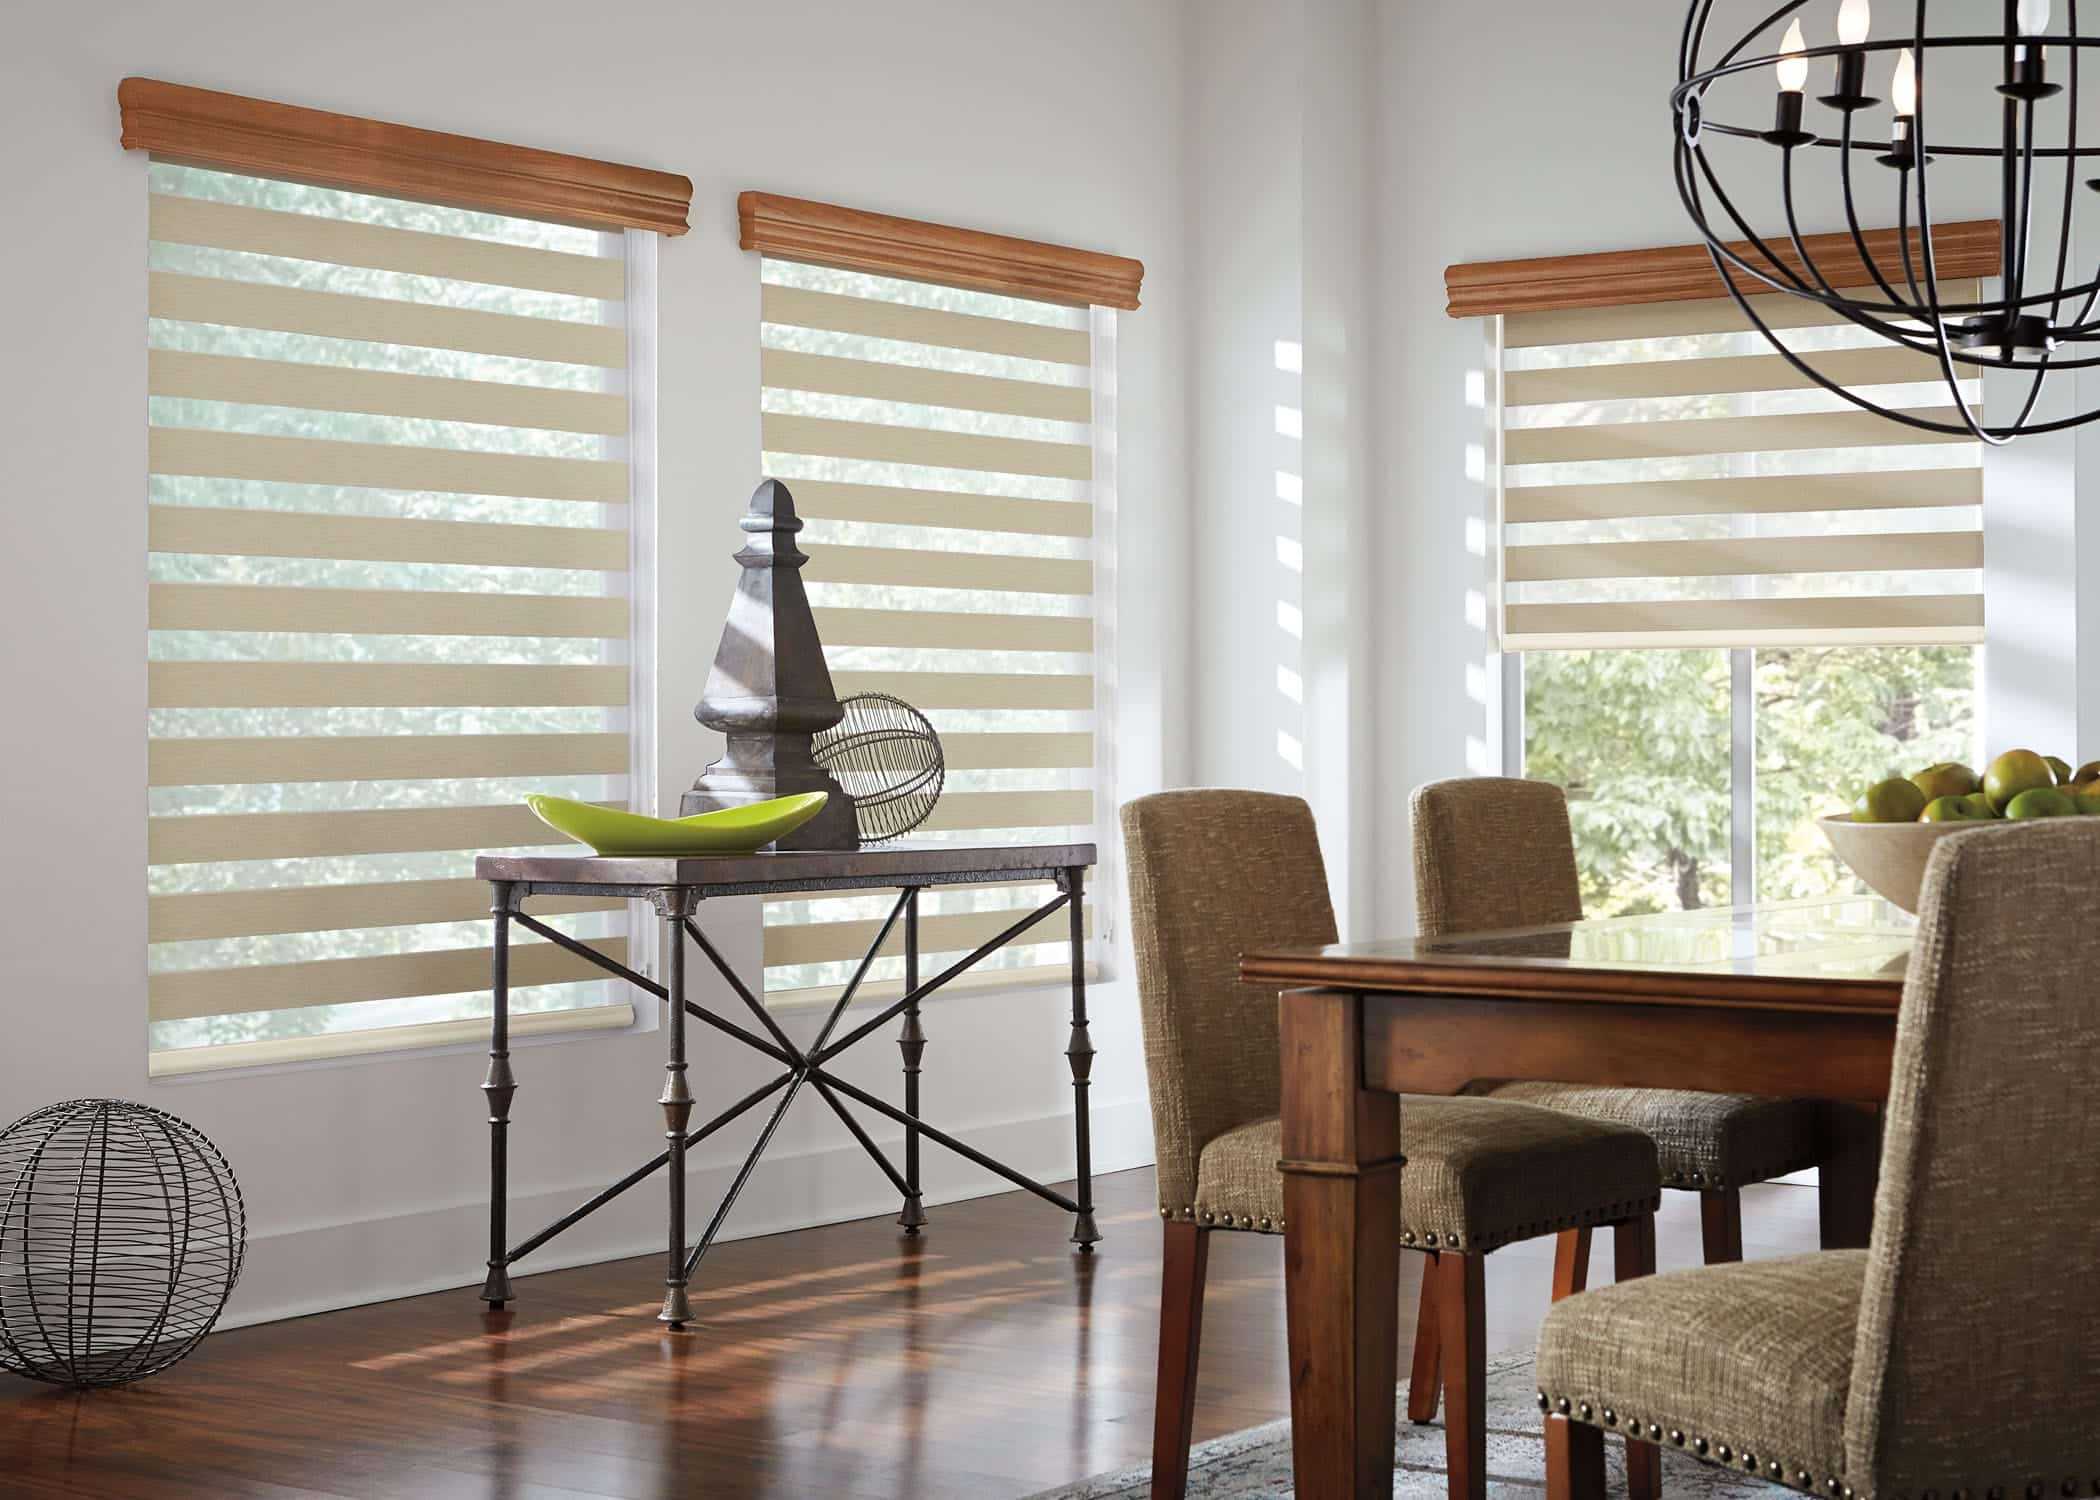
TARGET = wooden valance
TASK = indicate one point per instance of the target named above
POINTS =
(1684, 273)
(203, 128)
(825, 234)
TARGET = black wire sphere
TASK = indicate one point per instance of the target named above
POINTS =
(1882, 159)
(121, 1237)
(885, 754)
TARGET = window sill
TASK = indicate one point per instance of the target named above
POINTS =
(191, 1062)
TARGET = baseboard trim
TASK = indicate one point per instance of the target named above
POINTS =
(303, 1270)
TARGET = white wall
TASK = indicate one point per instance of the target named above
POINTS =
(365, 1179)
(1281, 275)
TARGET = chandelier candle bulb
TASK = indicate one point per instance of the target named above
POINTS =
(1854, 21)
(1903, 98)
(1792, 66)
(1792, 69)
(2025, 78)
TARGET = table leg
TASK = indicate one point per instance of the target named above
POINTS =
(498, 1086)
(1341, 1165)
(674, 905)
(1850, 1173)
(911, 1042)
(1079, 1051)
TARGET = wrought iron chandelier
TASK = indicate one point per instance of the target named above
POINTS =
(2033, 325)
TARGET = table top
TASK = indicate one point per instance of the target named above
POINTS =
(1848, 952)
(902, 863)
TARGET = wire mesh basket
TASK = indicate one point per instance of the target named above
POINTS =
(121, 1237)
(885, 754)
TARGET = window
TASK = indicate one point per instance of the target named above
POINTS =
(942, 445)
(390, 592)
(1738, 599)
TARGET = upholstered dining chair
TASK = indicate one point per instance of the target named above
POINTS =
(1494, 852)
(1954, 1357)
(1214, 874)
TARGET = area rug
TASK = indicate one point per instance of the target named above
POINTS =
(1256, 1464)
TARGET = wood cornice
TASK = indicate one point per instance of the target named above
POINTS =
(827, 235)
(1685, 273)
(203, 128)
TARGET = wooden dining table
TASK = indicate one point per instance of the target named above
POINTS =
(1793, 999)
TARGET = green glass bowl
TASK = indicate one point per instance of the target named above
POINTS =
(730, 830)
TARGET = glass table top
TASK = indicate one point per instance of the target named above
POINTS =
(1857, 938)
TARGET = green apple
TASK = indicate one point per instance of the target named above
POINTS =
(1980, 805)
(1951, 810)
(2060, 769)
(2041, 802)
(2012, 773)
(1893, 801)
(2088, 802)
(1950, 778)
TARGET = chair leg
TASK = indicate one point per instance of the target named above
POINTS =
(1574, 1460)
(1633, 1254)
(1571, 1262)
(1461, 1320)
(1426, 1381)
(1721, 1225)
(1186, 1259)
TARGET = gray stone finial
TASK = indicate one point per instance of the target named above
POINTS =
(769, 690)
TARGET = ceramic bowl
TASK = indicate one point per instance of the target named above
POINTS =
(1891, 857)
(731, 830)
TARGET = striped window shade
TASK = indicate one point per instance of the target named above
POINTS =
(1669, 481)
(390, 592)
(940, 444)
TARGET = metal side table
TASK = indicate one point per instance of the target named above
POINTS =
(677, 887)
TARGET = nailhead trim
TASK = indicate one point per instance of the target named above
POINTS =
(1700, 1446)
(1197, 1214)
(1834, 1487)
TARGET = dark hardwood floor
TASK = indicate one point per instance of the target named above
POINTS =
(982, 1361)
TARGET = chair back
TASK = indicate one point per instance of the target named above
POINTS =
(1977, 1366)
(1214, 874)
(1493, 852)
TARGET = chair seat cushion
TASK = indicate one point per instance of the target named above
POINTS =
(1480, 1173)
(1749, 1364)
(1703, 1140)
